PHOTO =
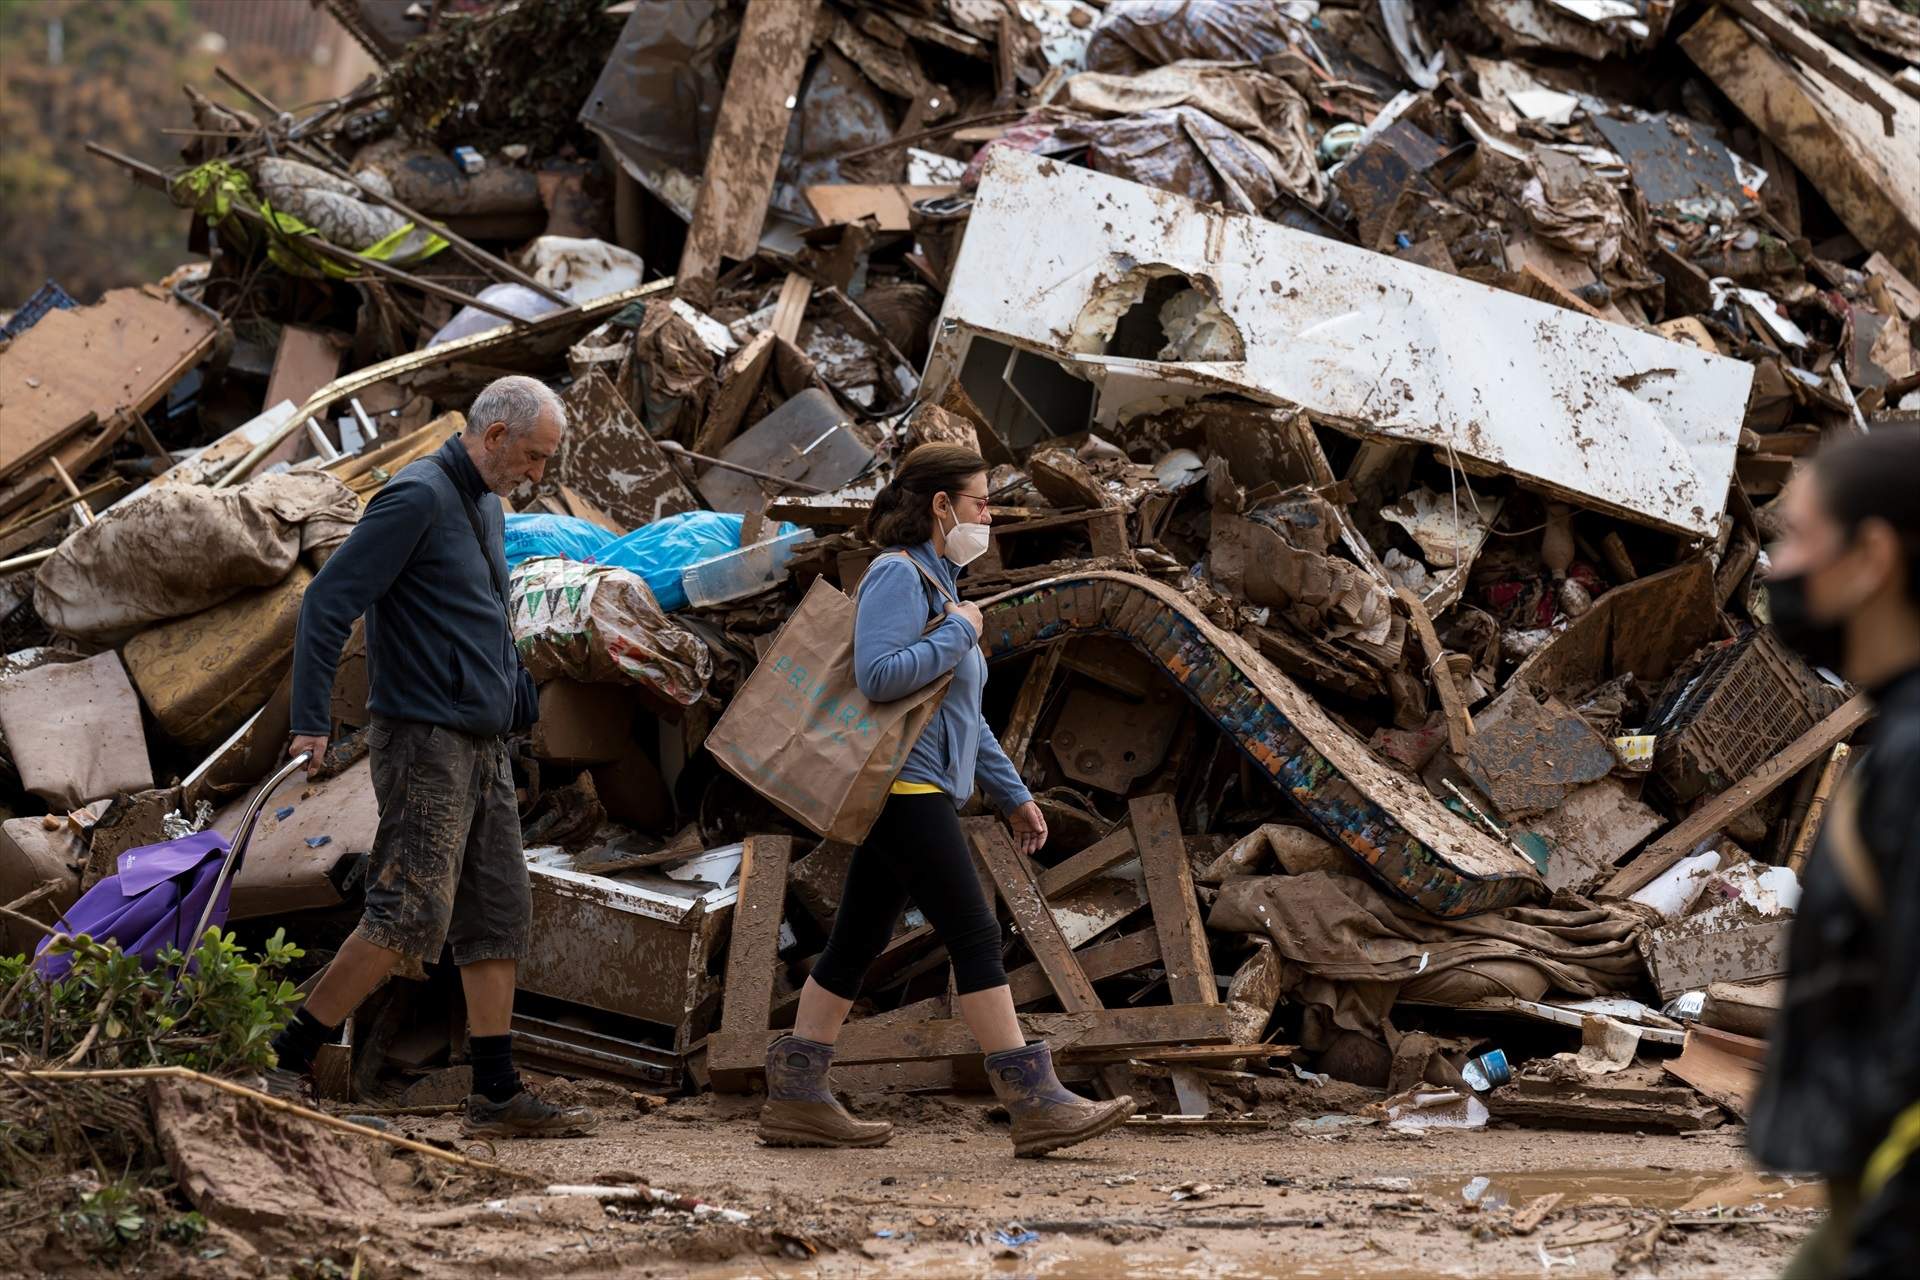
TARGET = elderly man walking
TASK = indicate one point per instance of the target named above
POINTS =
(427, 567)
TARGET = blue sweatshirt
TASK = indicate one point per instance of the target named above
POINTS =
(892, 658)
(439, 649)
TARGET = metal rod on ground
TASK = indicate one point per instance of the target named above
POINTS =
(25, 561)
(678, 451)
(473, 252)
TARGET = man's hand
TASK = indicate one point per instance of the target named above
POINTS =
(1029, 828)
(971, 612)
(314, 742)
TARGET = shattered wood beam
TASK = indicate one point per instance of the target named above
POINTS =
(1099, 961)
(1418, 849)
(763, 85)
(738, 1051)
(791, 308)
(1797, 43)
(1098, 858)
(1838, 143)
(1830, 775)
(1459, 723)
(1013, 877)
(1654, 860)
(1170, 895)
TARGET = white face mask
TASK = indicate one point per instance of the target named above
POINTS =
(966, 543)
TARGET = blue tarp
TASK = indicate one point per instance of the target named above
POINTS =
(658, 552)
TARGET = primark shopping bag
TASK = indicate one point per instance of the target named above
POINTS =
(802, 734)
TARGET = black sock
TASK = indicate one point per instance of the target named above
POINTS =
(493, 1075)
(300, 1039)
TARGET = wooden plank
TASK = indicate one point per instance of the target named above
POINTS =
(1100, 960)
(1857, 158)
(1176, 911)
(1201, 1055)
(791, 307)
(748, 135)
(1706, 948)
(888, 204)
(1025, 717)
(1651, 862)
(1830, 775)
(1459, 723)
(738, 1050)
(1020, 890)
(1176, 919)
(1098, 858)
(739, 383)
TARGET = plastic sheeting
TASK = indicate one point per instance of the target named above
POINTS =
(659, 552)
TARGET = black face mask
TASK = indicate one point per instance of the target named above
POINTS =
(1821, 643)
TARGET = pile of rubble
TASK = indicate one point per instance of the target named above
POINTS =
(1386, 407)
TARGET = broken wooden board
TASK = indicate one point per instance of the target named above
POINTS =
(1731, 943)
(610, 458)
(1416, 847)
(307, 360)
(1013, 877)
(748, 134)
(1176, 918)
(1571, 1014)
(1837, 141)
(94, 365)
(1722, 1066)
(1653, 861)
(1587, 1105)
(739, 383)
(890, 205)
(1591, 829)
(1124, 954)
(736, 1055)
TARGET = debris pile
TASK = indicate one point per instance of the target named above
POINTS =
(1386, 408)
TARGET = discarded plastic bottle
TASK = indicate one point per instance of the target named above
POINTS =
(1487, 1071)
(741, 573)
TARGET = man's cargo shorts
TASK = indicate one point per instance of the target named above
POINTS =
(447, 862)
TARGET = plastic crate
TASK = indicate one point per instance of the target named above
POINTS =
(1722, 717)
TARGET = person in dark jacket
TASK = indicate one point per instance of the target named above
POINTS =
(910, 629)
(426, 566)
(1841, 1097)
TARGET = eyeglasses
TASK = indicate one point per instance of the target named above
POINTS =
(980, 498)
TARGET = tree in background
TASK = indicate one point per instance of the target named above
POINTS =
(108, 71)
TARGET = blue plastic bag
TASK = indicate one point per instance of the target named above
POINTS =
(657, 552)
(531, 536)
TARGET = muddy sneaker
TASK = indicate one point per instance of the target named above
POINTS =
(800, 1110)
(524, 1115)
(1046, 1114)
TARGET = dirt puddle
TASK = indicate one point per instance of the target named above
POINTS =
(1685, 1190)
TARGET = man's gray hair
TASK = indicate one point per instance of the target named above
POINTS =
(518, 401)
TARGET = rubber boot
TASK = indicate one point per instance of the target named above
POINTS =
(1046, 1114)
(800, 1110)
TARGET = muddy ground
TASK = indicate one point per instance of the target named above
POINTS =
(1143, 1202)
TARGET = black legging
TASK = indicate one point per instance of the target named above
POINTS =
(916, 850)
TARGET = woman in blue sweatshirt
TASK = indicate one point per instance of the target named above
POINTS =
(911, 629)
